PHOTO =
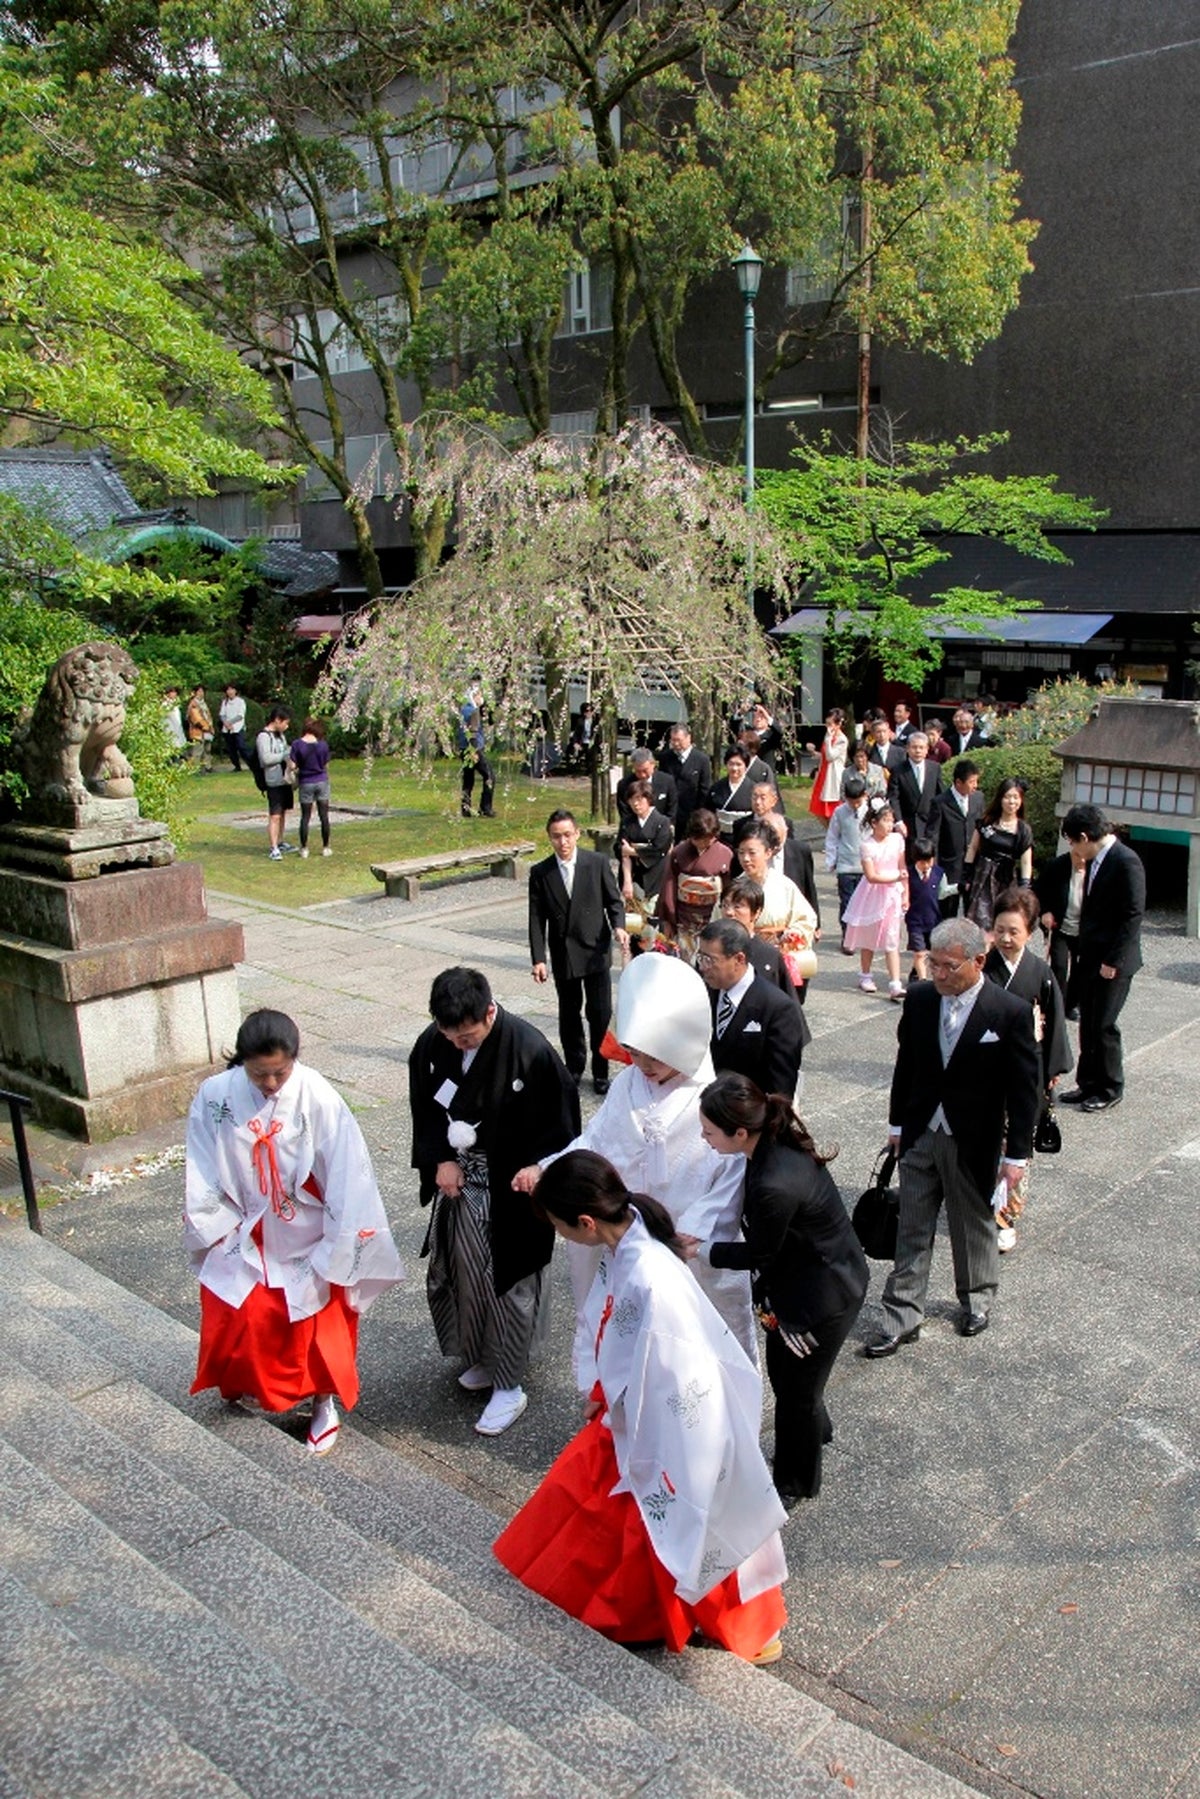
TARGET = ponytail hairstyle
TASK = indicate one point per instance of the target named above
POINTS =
(582, 1184)
(265, 1033)
(733, 1103)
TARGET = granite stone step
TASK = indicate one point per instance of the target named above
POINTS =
(128, 1367)
(254, 1717)
(70, 1727)
(309, 1627)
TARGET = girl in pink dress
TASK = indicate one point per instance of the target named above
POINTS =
(875, 915)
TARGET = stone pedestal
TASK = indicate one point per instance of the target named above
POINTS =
(117, 992)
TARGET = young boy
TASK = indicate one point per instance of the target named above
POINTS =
(924, 910)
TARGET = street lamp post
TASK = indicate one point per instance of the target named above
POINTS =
(748, 268)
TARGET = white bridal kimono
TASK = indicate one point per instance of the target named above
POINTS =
(337, 1235)
(683, 1406)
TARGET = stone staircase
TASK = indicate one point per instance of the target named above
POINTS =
(191, 1607)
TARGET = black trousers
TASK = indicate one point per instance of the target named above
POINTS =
(478, 761)
(1062, 963)
(589, 994)
(802, 1424)
(235, 748)
(1100, 1068)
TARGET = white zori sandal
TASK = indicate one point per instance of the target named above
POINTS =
(323, 1431)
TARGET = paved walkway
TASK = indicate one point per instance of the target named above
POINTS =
(1001, 1571)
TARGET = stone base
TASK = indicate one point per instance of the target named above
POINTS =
(135, 1108)
(80, 853)
(117, 997)
(82, 814)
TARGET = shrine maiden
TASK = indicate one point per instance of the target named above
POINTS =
(285, 1228)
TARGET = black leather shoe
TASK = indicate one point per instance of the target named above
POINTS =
(1072, 1014)
(1075, 1097)
(889, 1345)
(972, 1324)
(601, 1087)
(1099, 1102)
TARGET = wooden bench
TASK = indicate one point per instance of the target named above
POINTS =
(402, 880)
(604, 838)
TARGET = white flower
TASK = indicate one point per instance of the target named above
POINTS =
(460, 1134)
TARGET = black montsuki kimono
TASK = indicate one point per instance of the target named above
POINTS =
(1034, 982)
(523, 1106)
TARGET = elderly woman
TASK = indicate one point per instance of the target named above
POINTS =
(696, 875)
(285, 1228)
(870, 772)
(643, 842)
(649, 1128)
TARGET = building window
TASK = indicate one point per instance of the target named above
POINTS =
(587, 302)
(384, 318)
(1136, 789)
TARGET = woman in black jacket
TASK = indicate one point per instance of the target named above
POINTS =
(810, 1274)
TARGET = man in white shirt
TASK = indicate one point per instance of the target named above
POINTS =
(964, 1102)
(1108, 952)
(233, 723)
(575, 913)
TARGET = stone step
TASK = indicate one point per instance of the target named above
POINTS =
(69, 1726)
(270, 1686)
(754, 1728)
(232, 1537)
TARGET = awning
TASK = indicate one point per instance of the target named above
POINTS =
(1047, 630)
(314, 625)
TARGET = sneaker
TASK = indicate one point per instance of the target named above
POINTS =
(502, 1409)
(327, 851)
(476, 1379)
(896, 991)
(276, 855)
(866, 984)
(304, 855)
(1006, 1239)
(289, 849)
(323, 1431)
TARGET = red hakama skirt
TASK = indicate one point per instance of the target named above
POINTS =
(586, 1549)
(256, 1350)
(817, 806)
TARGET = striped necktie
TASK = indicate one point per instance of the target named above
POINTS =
(724, 1013)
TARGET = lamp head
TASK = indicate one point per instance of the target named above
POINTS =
(748, 267)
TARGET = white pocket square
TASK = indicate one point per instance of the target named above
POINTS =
(751, 1025)
(989, 1037)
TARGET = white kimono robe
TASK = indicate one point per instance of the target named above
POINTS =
(650, 1132)
(683, 1404)
(343, 1237)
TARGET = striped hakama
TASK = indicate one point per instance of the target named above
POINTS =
(471, 1319)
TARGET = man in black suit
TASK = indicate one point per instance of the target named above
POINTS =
(883, 751)
(575, 908)
(954, 823)
(691, 771)
(964, 734)
(1108, 953)
(914, 792)
(964, 1102)
(757, 1030)
(903, 722)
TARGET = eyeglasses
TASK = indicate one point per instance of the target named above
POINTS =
(941, 966)
(704, 960)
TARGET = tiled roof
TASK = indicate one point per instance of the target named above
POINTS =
(79, 491)
(298, 574)
(1109, 571)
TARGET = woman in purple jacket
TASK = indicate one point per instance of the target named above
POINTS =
(310, 757)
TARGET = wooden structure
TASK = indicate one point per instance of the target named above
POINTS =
(402, 880)
(1138, 760)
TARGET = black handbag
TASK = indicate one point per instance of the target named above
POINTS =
(1047, 1137)
(877, 1213)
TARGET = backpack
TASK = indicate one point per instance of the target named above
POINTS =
(250, 757)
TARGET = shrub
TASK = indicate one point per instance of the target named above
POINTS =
(1056, 711)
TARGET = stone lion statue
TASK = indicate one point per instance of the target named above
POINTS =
(70, 752)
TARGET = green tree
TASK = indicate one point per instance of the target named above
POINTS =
(96, 340)
(405, 187)
(864, 533)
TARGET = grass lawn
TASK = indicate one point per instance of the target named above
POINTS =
(235, 857)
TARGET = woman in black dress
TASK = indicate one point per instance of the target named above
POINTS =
(1000, 853)
(810, 1274)
(1013, 966)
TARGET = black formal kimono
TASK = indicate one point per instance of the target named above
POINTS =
(734, 802)
(1033, 980)
(652, 840)
(523, 1106)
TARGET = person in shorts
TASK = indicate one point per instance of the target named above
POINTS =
(274, 754)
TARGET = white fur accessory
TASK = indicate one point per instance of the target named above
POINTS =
(460, 1134)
